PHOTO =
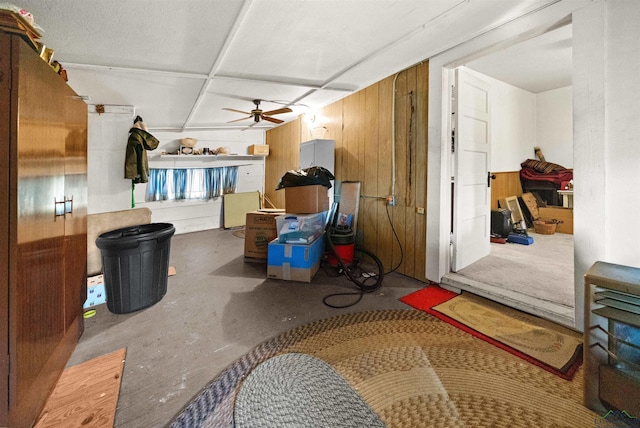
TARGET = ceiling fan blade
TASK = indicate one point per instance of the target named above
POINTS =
(237, 111)
(238, 120)
(272, 119)
(278, 111)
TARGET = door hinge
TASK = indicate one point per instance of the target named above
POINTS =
(453, 141)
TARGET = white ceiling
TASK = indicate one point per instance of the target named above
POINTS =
(537, 65)
(180, 62)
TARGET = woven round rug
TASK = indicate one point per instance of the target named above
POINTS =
(301, 391)
(413, 370)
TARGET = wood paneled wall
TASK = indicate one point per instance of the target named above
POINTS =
(505, 184)
(362, 127)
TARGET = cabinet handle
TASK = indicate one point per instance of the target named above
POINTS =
(68, 205)
(58, 207)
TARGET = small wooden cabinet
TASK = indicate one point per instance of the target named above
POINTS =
(43, 200)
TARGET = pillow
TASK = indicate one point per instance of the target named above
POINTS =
(543, 167)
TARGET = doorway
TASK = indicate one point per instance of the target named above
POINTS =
(531, 93)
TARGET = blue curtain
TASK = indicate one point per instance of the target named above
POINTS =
(157, 187)
(191, 183)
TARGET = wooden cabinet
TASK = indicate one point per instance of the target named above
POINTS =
(43, 199)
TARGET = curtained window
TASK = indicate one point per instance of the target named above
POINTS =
(191, 183)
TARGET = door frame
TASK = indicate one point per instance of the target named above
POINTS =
(440, 167)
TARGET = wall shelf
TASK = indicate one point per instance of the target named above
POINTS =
(210, 157)
(203, 161)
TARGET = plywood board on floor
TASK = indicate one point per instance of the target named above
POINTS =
(86, 394)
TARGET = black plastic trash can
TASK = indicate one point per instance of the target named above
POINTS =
(135, 264)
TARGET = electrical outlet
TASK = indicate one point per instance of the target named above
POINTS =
(391, 201)
(420, 210)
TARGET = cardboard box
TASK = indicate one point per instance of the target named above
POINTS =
(260, 229)
(565, 215)
(259, 149)
(96, 293)
(294, 262)
(306, 199)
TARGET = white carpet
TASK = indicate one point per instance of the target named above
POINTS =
(543, 270)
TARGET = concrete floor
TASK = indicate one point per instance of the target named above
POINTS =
(217, 308)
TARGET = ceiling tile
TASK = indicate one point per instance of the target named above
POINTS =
(163, 101)
(154, 34)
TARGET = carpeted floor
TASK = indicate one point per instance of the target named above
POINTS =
(543, 270)
(414, 370)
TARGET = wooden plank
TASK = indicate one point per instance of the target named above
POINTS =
(401, 122)
(505, 184)
(411, 168)
(348, 137)
(284, 155)
(384, 238)
(86, 394)
(370, 171)
(333, 115)
(422, 105)
(352, 114)
(411, 130)
(273, 138)
(350, 201)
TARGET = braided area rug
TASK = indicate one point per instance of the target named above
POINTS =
(413, 370)
(298, 390)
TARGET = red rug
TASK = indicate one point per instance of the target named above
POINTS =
(431, 296)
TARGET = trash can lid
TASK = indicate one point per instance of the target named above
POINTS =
(135, 234)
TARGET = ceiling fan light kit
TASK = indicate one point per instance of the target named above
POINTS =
(257, 114)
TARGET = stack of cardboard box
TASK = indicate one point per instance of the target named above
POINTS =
(300, 261)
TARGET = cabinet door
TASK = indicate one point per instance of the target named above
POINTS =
(75, 191)
(5, 204)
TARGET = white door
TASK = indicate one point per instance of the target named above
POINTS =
(471, 186)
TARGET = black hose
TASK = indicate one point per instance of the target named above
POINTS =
(364, 286)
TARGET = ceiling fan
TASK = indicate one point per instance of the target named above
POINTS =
(257, 114)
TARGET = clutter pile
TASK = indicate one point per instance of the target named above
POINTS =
(16, 20)
(300, 244)
(516, 215)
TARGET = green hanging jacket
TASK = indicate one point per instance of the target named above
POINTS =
(136, 165)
